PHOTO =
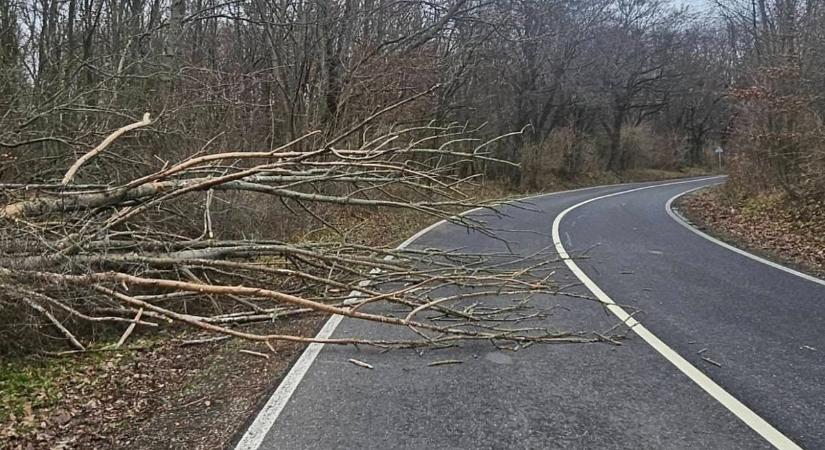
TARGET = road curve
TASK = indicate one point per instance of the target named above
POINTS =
(752, 330)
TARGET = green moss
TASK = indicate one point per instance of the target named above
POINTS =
(29, 381)
(38, 381)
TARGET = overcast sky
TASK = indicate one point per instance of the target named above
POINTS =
(696, 5)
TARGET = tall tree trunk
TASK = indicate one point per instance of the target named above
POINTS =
(614, 156)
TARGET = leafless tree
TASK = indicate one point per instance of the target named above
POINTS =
(297, 103)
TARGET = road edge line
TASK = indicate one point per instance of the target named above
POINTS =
(745, 414)
(681, 220)
(264, 420)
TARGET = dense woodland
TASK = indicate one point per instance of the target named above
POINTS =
(594, 84)
(262, 111)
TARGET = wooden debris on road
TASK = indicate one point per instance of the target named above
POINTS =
(361, 363)
(444, 362)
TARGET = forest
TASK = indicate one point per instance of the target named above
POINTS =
(152, 143)
(210, 171)
(592, 85)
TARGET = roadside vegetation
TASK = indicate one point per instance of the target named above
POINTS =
(793, 234)
(774, 200)
(190, 187)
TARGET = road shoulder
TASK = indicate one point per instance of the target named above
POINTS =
(767, 227)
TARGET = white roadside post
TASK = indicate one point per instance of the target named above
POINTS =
(719, 152)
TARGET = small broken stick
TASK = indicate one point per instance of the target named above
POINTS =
(710, 361)
(445, 362)
(361, 363)
(258, 354)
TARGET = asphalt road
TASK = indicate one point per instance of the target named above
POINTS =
(765, 328)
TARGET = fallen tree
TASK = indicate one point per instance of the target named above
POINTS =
(128, 253)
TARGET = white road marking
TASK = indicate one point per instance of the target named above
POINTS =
(681, 221)
(751, 419)
(255, 434)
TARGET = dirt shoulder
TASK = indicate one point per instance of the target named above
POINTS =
(769, 225)
(155, 394)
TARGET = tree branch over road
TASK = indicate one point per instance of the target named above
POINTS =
(128, 249)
